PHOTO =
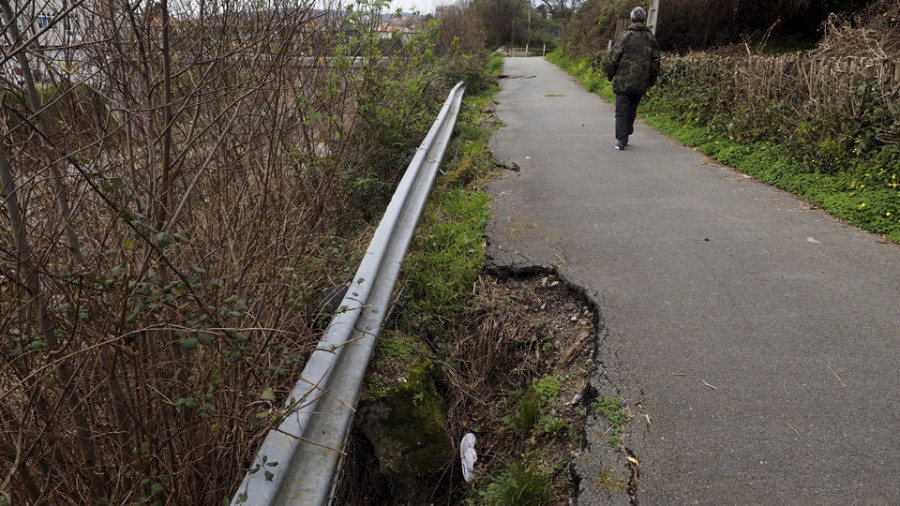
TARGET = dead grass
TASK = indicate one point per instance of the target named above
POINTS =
(514, 332)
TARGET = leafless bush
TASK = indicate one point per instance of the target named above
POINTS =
(175, 189)
(874, 32)
(461, 29)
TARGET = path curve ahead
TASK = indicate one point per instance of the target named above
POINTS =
(755, 340)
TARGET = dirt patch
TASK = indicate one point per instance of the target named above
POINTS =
(514, 373)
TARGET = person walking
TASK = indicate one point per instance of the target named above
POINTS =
(633, 67)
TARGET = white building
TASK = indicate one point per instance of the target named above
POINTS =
(52, 30)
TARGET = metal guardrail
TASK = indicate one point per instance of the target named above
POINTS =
(297, 461)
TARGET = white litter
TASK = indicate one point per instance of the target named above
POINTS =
(468, 456)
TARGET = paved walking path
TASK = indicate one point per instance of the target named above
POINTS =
(755, 340)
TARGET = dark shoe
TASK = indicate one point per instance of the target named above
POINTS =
(621, 145)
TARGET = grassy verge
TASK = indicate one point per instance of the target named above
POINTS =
(505, 365)
(854, 195)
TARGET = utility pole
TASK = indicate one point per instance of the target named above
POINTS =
(653, 15)
(530, 5)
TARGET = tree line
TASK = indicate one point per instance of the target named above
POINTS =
(686, 25)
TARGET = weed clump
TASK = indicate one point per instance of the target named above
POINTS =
(519, 483)
(611, 409)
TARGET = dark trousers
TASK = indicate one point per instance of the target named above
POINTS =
(626, 111)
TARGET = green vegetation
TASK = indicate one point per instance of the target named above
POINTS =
(447, 252)
(528, 411)
(611, 409)
(548, 388)
(520, 483)
(402, 413)
(832, 172)
(491, 355)
(553, 425)
(530, 406)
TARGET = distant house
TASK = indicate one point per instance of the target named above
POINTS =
(394, 32)
(55, 30)
(55, 24)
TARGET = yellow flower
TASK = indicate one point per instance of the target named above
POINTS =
(862, 205)
(888, 214)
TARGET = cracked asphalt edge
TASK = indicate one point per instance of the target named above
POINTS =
(601, 474)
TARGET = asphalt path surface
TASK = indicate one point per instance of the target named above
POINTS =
(754, 338)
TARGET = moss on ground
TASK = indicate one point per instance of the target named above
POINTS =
(402, 413)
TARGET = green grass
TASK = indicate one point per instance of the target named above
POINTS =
(519, 484)
(447, 252)
(553, 425)
(856, 195)
(527, 411)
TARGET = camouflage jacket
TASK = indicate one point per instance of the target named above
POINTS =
(634, 61)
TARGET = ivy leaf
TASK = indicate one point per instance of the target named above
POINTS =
(188, 402)
(190, 343)
(163, 239)
(239, 337)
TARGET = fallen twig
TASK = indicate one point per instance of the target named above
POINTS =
(836, 376)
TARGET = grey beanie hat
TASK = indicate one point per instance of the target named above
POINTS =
(638, 15)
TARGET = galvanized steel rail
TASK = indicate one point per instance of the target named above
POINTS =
(296, 463)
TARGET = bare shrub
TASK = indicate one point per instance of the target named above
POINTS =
(461, 29)
(176, 191)
(874, 32)
(593, 25)
(832, 112)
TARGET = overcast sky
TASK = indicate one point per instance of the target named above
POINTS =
(423, 6)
